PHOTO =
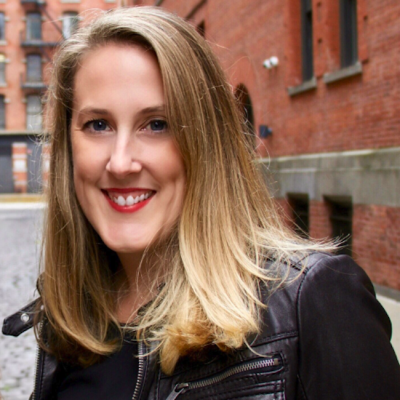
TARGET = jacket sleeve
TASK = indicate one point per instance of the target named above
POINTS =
(344, 336)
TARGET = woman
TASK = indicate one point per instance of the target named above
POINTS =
(167, 270)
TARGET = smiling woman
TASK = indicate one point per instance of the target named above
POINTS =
(167, 269)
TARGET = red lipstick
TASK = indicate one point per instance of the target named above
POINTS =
(134, 192)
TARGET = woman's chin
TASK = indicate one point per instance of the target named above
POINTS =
(126, 248)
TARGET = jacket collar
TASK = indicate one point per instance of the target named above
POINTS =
(20, 321)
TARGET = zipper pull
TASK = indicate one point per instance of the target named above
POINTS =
(179, 388)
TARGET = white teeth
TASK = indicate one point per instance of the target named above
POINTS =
(130, 200)
(121, 201)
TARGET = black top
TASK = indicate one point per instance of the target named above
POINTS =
(112, 378)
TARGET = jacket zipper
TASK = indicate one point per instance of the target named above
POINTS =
(37, 363)
(181, 388)
(140, 371)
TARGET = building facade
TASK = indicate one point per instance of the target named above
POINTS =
(30, 30)
(321, 84)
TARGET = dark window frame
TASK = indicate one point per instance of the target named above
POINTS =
(348, 33)
(34, 110)
(34, 68)
(246, 108)
(341, 218)
(34, 26)
(2, 112)
(300, 205)
(3, 63)
(2, 26)
(307, 51)
(73, 24)
(201, 28)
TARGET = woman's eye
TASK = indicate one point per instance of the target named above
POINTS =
(97, 125)
(157, 125)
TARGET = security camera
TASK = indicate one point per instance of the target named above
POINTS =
(267, 64)
(271, 62)
(274, 61)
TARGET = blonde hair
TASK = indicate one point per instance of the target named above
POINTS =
(228, 229)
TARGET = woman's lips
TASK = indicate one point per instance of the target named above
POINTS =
(128, 199)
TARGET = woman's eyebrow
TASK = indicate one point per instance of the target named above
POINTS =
(91, 110)
(102, 111)
(151, 110)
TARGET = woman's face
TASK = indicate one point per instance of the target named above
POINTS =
(128, 173)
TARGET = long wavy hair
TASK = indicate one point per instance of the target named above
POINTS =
(228, 228)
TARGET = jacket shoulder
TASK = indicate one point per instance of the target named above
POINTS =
(344, 333)
(303, 277)
(21, 321)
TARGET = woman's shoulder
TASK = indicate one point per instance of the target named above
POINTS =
(310, 270)
(319, 273)
(312, 285)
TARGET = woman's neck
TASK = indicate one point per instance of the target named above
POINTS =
(138, 284)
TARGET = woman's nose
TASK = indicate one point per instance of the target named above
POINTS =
(123, 158)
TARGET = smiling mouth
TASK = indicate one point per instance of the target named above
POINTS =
(126, 198)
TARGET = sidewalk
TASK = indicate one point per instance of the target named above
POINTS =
(21, 202)
(392, 307)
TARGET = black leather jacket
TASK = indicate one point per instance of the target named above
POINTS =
(324, 336)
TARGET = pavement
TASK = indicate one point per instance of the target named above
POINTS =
(20, 233)
(392, 307)
(20, 226)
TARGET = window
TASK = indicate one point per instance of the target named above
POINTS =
(34, 68)
(34, 26)
(341, 222)
(348, 32)
(307, 40)
(246, 108)
(245, 104)
(301, 214)
(201, 28)
(33, 113)
(70, 22)
(2, 26)
(2, 69)
(2, 113)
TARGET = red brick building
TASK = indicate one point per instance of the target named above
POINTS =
(323, 76)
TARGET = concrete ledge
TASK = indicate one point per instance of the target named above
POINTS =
(392, 307)
(303, 87)
(370, 176)
(387, 292)
(343, 73)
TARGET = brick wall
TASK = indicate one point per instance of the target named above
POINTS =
(320, 226)
(356, 113)
(376, 242)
